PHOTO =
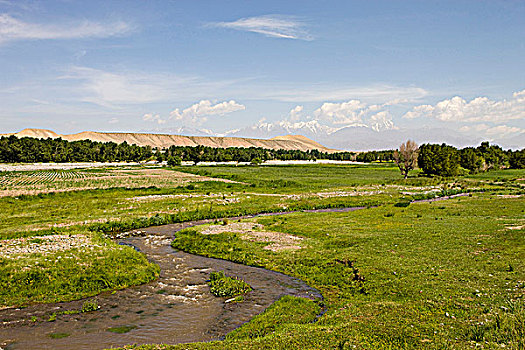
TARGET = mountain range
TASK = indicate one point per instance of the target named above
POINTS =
(364, 138)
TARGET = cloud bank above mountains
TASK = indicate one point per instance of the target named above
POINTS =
(355, 124)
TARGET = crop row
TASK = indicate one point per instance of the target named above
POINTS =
(37, 177)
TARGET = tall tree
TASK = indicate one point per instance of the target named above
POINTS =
(406, 157)
(441, 160)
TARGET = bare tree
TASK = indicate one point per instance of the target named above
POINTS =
(406, 157)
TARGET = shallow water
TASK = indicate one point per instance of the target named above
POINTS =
(175, 308)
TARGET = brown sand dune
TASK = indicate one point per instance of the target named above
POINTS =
(288, 142)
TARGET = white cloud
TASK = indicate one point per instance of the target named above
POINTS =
(155, 118)
(197, 113)
(276, 26)
(14, 29)
(121, 89)
(341, 113)
(480, 109)
(113, 121)
(503, 130)
(492, 132)
(355, 113)
(296, 113)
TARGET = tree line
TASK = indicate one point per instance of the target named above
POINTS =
(433, 159)
(176, 154)
(33, 150)
(445, 160)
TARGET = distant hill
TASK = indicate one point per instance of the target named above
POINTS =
(289, 142)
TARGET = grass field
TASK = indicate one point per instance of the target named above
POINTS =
(432, 275)
(439, 275)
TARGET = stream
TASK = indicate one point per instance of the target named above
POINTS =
(175, 308)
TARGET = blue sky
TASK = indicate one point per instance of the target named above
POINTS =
(72, 66)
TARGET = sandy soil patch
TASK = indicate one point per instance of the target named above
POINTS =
(43, 244)
(254, 232)
(515, 227)
(510, 195)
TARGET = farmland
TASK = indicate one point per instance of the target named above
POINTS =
(395, 274)
(17, 183)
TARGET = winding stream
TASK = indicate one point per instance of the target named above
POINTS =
(175, 308)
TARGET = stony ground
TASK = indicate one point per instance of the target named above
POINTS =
(255, 232)
(10, 248)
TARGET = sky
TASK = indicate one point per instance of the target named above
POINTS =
(224, 66)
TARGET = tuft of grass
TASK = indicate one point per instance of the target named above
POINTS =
(90, 305)
(225, 286)
(506, 328)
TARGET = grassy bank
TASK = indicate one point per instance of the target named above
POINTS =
(431, 275)
(71, 274)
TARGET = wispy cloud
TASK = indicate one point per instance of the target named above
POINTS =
(111, 89)
(329, 92)
(276, 26)
(12, 29)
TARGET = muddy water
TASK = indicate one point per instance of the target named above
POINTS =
(177, 307)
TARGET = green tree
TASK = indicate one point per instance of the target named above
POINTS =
(517, 159)
(471, 159)
(442, 160)
(174, 161)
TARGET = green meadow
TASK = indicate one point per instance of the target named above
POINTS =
(435, 275)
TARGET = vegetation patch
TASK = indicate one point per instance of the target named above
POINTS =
(71, 274)
(58, 335)
(225, 286)
(286, 312)
(121, 329)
